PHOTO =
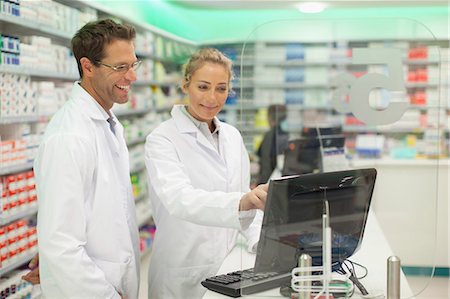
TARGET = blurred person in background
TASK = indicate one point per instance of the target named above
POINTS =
(274, 142)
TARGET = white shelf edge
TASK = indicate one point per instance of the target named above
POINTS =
(136, 140)
(165, 60)
(140, 196)
(36, 26)
(167, 108)
(146, 252)
(131, 112)
(22, 214)
(155, 83)
(21, 70)
(19, 119)
(399, 162)
(144, 220)
(17, 264)
(16, 168)
(138, 168)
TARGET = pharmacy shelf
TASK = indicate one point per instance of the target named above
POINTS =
(249, 62)
(135, 141)
(154, 83)
(16, 168)
(345, 61)
(246, 106)
(166, 108)
(21, 70)
(257, 106)
(393, 129)
(132, 112)
(164, 60)
(399, 162)
(141, 196)
(23, 119)
(146, 252)
(106, 11)
(289, 85)
(421, 84)
(428, 107)
(303, 63)
(253, 83)
(19, 215)
(263, 56)
(421, 62)
(22, 26)
(137, 168)
(144, 219)
(18, 263)
(250, 129)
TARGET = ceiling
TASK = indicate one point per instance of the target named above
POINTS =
(290, 4)
(208, 21)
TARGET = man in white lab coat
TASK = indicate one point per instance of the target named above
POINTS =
(87, 231)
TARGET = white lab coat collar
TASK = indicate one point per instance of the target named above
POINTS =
(93, 109)
(186, 125)
(198, 123)
(182, 121)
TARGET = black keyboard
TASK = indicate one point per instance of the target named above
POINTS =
(245, 282)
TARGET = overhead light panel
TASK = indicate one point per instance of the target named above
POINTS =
(311, 7)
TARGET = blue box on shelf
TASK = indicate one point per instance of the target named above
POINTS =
(294, 97)
(295, 51)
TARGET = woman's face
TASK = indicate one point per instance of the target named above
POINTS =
(207, 91)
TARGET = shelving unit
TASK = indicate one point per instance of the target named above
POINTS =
(16, 169)
(162, 54)
(21, 261)
(298, 74)
(19, 215)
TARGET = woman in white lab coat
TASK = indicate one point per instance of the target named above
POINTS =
(199, 184)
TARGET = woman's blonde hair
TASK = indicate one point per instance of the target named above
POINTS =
(205, 55)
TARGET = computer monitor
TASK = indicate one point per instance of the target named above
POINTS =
(292, 222)
(309, 132)
(303, 155)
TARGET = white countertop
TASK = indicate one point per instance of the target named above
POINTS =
(373, 254)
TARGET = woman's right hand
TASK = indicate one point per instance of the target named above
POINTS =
(255, 199)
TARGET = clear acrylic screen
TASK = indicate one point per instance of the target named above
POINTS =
(342, 99)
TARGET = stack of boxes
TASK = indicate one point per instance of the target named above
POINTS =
(18, 194)
(10, 7)
(12, 286)
(18, 240)
(9, 50)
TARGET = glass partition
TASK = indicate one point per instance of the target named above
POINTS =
(330, 100)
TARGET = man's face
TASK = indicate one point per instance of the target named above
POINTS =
(110, 86)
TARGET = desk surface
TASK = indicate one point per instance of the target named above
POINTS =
(373, 254)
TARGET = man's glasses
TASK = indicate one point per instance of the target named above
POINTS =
(122, 68)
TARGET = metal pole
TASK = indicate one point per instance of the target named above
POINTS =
(393, 277)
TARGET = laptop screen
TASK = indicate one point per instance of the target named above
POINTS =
(292, 222)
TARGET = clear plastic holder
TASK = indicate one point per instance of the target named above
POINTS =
(302, 279)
